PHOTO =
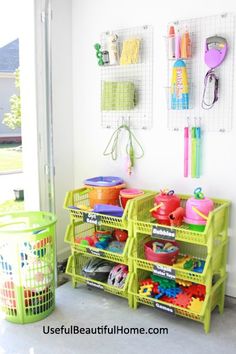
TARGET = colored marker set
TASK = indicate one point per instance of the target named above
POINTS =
(179, 45)
(194, 145)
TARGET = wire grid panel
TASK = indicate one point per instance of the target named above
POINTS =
(140, 75)
(218, 118)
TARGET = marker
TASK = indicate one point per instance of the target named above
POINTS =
(171, 42)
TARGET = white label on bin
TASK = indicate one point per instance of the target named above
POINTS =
(164, 272)
(163, 233)
(92, 218)
(95, 252)
(164, 308)
(95, 285)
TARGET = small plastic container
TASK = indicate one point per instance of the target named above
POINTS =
(126, 194)
(162, 257)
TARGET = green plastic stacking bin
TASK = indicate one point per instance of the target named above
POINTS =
(27, 266)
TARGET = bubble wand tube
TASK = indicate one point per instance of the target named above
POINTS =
(198, 151)
(186, 138)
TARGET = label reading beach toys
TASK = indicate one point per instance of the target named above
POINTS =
(163, 233)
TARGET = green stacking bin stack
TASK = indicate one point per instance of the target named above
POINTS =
(209, 246)
(85, 223)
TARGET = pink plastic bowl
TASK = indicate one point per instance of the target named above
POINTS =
(165, 258)
(126, 194)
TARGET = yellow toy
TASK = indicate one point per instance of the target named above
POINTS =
(146, 290)
(181, 261)
(195, 305)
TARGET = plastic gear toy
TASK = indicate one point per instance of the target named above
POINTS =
(183, 282)
(146, 290)
(167, 299)
(195, 305)
(146, 282)
(196, 290)
(182, 300)
(170, 292)
(164, 283)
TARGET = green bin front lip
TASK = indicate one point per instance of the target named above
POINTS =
(27, 214)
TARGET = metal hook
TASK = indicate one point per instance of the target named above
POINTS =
(188, 122)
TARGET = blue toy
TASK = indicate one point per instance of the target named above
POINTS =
(116, 246)
(102, 244)
(5, 267)
(199, 266)
(171, 292)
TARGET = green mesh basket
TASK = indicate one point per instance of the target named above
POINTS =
(214, 297)
(27, 263)
(217, 223)
(77, 228)
(213, 262)
(81, 197)
(74, 269)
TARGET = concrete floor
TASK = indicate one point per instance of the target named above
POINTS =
(92, 308)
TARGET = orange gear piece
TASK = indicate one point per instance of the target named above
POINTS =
(146, 282)
(182, 300)
(183, 282)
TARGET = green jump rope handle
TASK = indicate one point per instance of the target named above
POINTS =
(198, 152)
(193, 153)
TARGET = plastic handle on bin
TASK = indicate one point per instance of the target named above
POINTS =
(200, 213)
(86, 190)
(156, 207)
(12, 223)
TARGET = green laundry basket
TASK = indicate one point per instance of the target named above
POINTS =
(27, 263)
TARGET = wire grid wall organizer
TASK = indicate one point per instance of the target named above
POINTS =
(218, 118)
(139, 75)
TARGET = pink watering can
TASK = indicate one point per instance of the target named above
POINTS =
(197, 210)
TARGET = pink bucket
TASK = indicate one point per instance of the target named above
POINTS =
(197, 210)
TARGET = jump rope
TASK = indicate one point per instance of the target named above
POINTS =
(112, 146)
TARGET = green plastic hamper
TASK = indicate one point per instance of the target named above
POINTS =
(27, 266)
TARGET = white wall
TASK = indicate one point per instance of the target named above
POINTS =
(28, 104)
(62, 113)
(162, 165)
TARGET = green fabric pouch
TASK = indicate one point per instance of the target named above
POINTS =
(118, 96)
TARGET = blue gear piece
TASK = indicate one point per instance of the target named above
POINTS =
(171, 292)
